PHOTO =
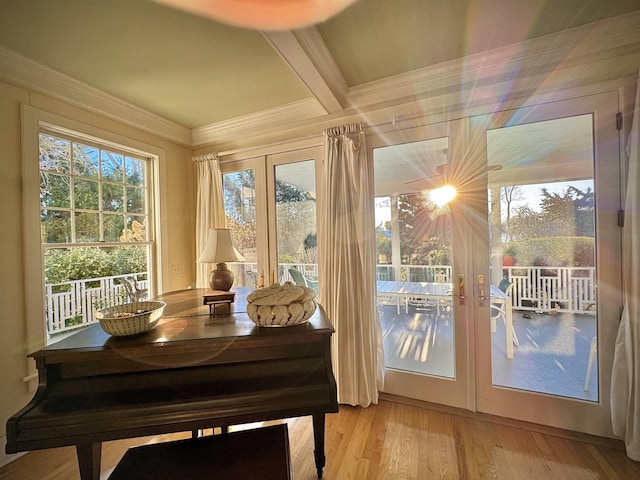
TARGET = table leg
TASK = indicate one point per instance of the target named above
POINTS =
(89, 456)
(318, 437)
(509, 327)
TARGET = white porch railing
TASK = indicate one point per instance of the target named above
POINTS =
(75, 306)
(565, 289)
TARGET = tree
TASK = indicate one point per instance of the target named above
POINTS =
(570, 213)
(562, 233)
(525, 223)
(239, 201)
(425, 231)
(296, 218)
(508, 195)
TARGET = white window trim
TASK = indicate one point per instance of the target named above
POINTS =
(32, 119)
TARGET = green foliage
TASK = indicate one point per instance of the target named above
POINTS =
(307, 255)
(567, 251)
(383, 248)
(62, 265)
(130, 259)
(571, 213)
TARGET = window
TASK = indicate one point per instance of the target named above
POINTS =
(95, 220)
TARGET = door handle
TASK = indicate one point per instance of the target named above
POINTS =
(481, 291)
(461, 294)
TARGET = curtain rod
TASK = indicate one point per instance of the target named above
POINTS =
(355, 127)
(206, 157)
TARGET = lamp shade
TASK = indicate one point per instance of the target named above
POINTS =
(219, 248)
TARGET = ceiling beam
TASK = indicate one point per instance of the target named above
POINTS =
(307, 55)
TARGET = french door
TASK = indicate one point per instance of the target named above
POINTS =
(270, 206)
(553, 242)
(421, 243)
(529, 251)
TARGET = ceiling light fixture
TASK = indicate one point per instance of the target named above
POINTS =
(263, 14)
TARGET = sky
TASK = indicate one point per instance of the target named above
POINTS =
(531, 193)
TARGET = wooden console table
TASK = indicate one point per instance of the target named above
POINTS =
(192, 371)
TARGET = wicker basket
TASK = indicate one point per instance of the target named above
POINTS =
(130, 318)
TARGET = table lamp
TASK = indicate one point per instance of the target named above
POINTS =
(219, 249)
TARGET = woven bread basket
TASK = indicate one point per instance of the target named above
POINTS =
(130, 318)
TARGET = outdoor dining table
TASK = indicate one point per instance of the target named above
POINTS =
(403, 292)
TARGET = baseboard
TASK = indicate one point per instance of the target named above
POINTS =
(6, 459)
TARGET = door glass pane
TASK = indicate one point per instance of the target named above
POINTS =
(542, 235)
(413, 255)
(295, 192)
(240, 211)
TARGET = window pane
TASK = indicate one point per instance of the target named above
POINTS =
(240, 210)
(54, 154)
(413, 246)
(54, 190)
(85, 194)
(136, 200)
(135, 172)
(112, 197)
(542, 236)
(87, 227)
(296, 220)
(85, 160)
(111, 166)
(56, 226)
(113, 228)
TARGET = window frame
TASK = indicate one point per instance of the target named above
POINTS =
(34, 122)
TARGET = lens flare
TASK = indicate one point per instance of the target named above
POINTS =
(442, 195)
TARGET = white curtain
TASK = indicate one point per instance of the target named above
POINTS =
(347, 266)
(209, 208)
(625, 379)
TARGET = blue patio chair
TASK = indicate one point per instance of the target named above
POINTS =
(303, 280)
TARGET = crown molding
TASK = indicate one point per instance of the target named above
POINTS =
(24, 72)
(258, 123)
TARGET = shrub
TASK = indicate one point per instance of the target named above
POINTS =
(556, 251)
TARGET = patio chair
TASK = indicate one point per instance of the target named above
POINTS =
(303, 280)
(497, 310)
(422, 303)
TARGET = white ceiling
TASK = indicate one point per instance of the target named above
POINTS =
(194, 73)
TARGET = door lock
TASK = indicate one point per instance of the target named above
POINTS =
(481, 291)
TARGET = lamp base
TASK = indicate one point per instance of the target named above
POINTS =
(221, 278)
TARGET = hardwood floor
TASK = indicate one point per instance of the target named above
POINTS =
(394, 440)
